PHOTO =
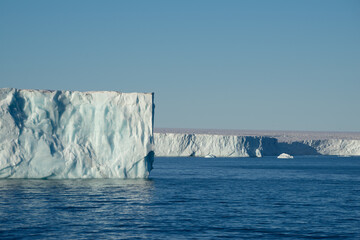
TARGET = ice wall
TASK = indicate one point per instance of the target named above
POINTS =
(339, 147)
(201, 145)
(64, 134)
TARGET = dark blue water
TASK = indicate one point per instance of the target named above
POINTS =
(193, 198)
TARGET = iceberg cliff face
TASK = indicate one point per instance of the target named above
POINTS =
(64, 134)
(202, 144)
(339, 147)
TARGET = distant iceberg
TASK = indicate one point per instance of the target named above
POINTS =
(65, 134)
(285, 155)
(232, 143)
(205, 145)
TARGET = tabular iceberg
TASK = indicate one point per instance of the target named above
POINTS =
(65, 134)
(203, 145)
(218, 143)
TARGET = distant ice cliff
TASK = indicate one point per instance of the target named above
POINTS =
(64, 134)
(201, 143)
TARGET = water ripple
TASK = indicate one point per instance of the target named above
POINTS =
(252, 199)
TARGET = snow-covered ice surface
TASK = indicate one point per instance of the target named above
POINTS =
(64, 134)
(285, 155)
(238, 143)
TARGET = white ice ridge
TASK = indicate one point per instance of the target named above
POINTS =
(190, 142)
(64, 134)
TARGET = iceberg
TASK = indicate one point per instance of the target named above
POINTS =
(71, 134)
(285, 155)
(208, 145)
(232, 143)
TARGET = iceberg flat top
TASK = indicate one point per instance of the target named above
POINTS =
(280, 135)
(51, 90)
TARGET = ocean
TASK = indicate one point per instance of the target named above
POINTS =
(193, 198)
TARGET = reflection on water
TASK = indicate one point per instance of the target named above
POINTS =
(47, 207)
(193, 198)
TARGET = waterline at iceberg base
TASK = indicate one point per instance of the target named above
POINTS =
(70, 134)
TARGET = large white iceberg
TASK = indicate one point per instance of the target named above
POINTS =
(226, 143)
(204, 145)
(64, 134)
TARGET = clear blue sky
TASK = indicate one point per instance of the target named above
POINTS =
(274, 65)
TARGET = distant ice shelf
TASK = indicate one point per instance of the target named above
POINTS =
(203, 143)
(65, 134)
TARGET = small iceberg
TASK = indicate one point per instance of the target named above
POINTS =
(210, 156)
(285, 155)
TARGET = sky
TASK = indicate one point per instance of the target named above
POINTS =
(248, 65)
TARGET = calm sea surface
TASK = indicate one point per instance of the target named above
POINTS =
(193, 198)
